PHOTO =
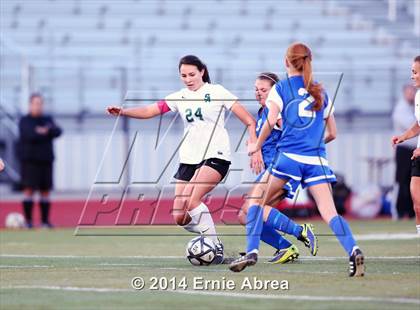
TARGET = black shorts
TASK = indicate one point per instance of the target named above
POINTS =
(415, 167)
(37, 175)
(186, 171)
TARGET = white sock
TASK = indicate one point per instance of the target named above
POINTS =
(418, 229)
(202, 222)
(193, 226)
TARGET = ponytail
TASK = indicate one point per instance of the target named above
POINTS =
(300, 57)
(206, 76)
(314, 89)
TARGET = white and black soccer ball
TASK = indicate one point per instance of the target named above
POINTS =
(201, 251)
(14, 220)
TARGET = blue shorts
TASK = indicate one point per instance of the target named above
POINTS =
(306, 174)
(290, 187)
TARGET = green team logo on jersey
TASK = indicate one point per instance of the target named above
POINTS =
(207, 98)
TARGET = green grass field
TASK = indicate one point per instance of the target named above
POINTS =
(43, 269)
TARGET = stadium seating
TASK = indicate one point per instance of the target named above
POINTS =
(238, 38)
(85, 55)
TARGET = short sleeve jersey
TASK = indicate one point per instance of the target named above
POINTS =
(203, 114)
(303, 128)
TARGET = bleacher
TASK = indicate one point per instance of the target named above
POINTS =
(85, 54)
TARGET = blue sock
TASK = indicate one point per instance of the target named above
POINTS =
(342, 231)
(279, 221)
(254, 226)
(272, 237)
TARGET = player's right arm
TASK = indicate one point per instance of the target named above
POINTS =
(148, 111)
(331, 129)
(412, 132)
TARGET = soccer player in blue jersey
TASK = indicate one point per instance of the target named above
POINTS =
(285, 251)
(306, 112)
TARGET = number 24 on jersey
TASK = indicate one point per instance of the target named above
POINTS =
(190, 116)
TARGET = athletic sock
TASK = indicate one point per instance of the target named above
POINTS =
(202, 222)
(254, 227)
(272, 237)
(418, 229)
(279, 221)
(27, 210)
(342, 231)
(45, 210)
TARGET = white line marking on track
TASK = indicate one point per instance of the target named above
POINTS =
(228, 294)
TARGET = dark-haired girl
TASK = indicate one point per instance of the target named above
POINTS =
(205, 151)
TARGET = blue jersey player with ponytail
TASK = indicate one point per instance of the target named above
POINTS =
(285, 250)
(308, 124)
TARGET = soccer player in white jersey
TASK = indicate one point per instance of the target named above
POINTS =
(205, 150)
(306, 111)
(411, 133)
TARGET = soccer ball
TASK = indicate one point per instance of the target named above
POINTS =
(15, 220)
(201, 251)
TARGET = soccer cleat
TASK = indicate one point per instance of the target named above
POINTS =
(228, 260)
(356, 264)
(308, 238)
(219, 258)
(243, 261)
(283, 256)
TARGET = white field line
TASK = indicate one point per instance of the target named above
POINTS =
(122, 265)
(206, 269)
(228, 294)
(24, 266)
(311, 258)
(192, 268)
(386, 236)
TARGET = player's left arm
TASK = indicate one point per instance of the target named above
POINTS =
(331, 129)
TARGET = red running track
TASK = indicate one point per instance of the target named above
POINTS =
(72, 213)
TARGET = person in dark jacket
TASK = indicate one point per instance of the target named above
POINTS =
(36, 155)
